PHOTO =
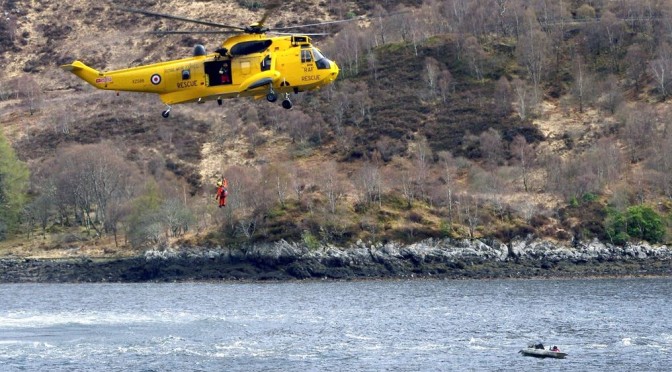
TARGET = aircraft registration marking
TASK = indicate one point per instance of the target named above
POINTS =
(104, 80)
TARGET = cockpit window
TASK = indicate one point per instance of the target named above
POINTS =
(306, 56)
(321, 61)
(317, 54)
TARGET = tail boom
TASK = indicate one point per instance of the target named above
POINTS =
(137, 79)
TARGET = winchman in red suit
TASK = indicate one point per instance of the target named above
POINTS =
(222, 192)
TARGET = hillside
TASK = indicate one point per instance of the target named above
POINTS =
(444, 122)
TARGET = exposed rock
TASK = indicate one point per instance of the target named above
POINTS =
(283, 260)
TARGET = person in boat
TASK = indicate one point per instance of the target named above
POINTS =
(556, 349)
(539, 346)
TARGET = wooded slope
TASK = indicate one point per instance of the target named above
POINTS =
(451, 118)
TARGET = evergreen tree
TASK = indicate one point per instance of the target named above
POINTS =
(13, 184)
(637, 222)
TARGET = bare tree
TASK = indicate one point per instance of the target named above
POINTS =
(612, 95)
(298, 181)
(431, 75)
(524, 155)
(583, 85)
(470, 206)
(405, 182)
(661, 164)
(450, 182)
(475, 57)
(372, 63)
(532, 50)
(360, 108)
(116, 214)
(635, 70)
(63, 118)
(40, 210)
(348, 43)
(250, 198)
(30, 92)
(492, 148)
(279, 179)
(299, 126)
(368, 182)
(614, 30)
(95, 176)
(331, 184)
(423, 160)
(503, 94)
(379, 15)
(606, 161)
(445, 84)
(638, 129)
(525, 102)
(508, 14)
(661, 68)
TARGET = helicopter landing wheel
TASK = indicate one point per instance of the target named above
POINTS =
(287, 104)
(219, 101)
(271, 97)
(166, 113)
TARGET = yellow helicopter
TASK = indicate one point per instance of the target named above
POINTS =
(249, 64)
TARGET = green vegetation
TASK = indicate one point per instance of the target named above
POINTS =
(13, 186)
(637, 222)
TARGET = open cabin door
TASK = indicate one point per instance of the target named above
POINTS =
(218, 72)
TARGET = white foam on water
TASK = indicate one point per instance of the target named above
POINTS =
(627, 341)
(359, 337)
(243, 348)
(476, 343)
(41, 320)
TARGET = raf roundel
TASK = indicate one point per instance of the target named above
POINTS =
(156, 79)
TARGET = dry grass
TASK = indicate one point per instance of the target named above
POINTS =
(65, 245)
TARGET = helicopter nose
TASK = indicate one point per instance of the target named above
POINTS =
(334, 71)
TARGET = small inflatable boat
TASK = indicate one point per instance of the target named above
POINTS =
(542, 353)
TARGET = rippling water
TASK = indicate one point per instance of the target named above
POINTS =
(615, 325)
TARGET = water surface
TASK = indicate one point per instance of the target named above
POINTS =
(422, 325)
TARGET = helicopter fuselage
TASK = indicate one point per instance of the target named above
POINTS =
(247, 65)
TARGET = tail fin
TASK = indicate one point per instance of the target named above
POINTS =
(85, 72)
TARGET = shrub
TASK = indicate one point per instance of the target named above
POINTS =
(638, 222)
(310, 240)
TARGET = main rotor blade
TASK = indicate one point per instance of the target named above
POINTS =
(188, 32)
(177, 18)
(299, 34)
(319, 24)
(269, 9)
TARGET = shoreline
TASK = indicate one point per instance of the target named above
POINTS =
(79, 270)
(282, 261)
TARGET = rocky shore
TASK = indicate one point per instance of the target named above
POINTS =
(450, 259)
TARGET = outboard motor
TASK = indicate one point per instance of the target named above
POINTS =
(199, 50)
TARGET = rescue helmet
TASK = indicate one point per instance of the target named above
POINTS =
(219, 183)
